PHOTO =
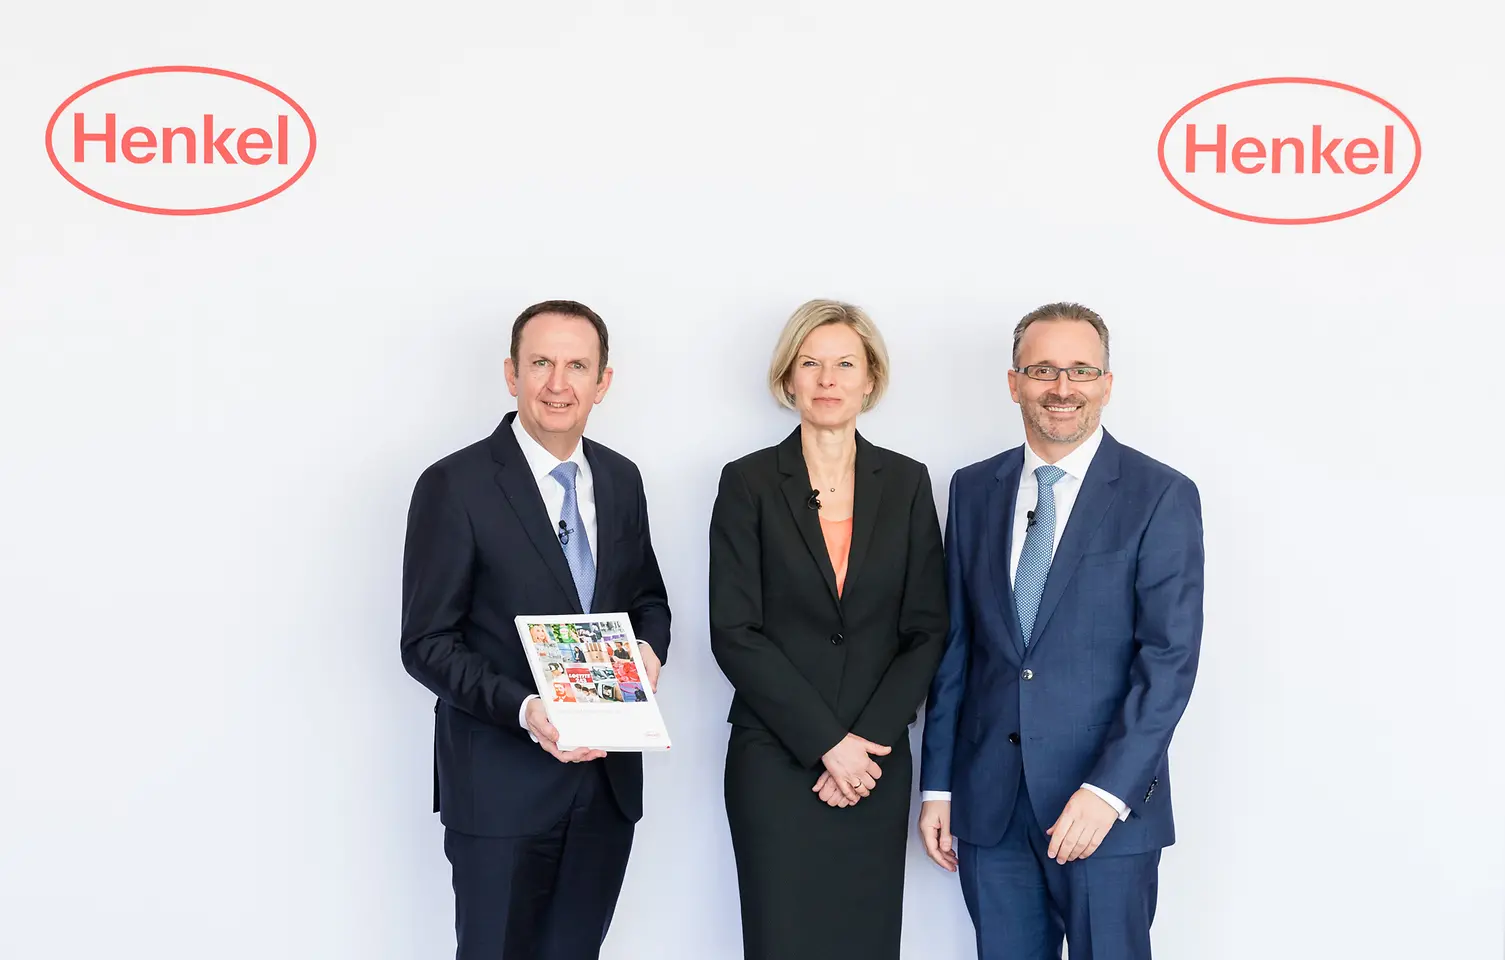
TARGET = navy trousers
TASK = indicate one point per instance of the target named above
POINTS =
(1023, 904)
(545, 897)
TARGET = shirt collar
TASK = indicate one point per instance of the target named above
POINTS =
(1075, 463)
(541, 461)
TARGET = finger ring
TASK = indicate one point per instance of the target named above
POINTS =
(857, 782)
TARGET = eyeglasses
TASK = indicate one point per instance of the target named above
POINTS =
(1044, 371)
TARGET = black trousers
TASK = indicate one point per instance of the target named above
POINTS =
(544, 897)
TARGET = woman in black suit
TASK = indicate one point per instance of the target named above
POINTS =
(828, 616)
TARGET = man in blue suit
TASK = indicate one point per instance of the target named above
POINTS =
(1074, 567)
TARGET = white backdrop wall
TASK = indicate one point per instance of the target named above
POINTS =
(210, 427)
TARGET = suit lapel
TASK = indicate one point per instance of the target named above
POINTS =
(867, 497)
(1098, 490)
(606, 516)
(796, 487)
(999, 542)
(521, 491)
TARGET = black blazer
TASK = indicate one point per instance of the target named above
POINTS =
(480, 551)
(808, 666)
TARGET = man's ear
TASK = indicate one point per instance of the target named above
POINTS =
(603, 385)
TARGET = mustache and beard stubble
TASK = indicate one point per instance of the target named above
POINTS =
(1058, 431)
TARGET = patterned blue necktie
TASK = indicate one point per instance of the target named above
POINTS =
(577, 546)
(1039, 544)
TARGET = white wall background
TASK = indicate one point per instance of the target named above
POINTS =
(210, 426)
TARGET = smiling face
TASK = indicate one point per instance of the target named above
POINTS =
(557, 378)
(830, 376)
(1060, 414)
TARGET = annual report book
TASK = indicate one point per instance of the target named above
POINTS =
(590, 677)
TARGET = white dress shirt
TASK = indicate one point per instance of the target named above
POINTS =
(540, 462)
(1075, 465)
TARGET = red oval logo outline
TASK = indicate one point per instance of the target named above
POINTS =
(1165, 168)
(173, 211)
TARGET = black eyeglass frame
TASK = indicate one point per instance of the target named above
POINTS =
(1096, 372)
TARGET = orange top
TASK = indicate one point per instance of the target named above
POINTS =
(838, 534)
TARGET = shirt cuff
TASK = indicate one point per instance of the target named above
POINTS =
(926, 795)
(1110, 800)
(522, 715)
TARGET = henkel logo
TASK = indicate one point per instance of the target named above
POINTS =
(180, 141)
(1289, 150)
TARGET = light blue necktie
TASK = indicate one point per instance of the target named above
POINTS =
(577, 546)
(1039, 544)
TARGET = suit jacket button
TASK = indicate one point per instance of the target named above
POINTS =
(837, 639)
(1013, 738)
(1028, 674)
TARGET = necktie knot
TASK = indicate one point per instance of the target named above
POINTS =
(565, 474)
(1046, 475)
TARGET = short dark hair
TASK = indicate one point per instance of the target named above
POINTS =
(569, 308)
(1062, 311)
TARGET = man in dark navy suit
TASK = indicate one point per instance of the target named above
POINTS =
(533, 520)
(1074, 567)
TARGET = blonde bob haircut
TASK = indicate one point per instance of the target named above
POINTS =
(818, 313)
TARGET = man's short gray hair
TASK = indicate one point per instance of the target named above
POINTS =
(1062, 311)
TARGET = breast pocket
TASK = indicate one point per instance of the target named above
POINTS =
(1105, 582)
(627, 533)
(1104, 558)
(627, 562)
